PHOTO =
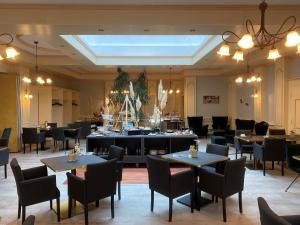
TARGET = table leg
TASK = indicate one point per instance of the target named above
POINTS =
(67, 144)
(43, 145)
(73, 172)
(199, 201)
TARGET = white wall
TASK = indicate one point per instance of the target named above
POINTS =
(216, 86)
(294, 68)
(244, 102)
(268, 96)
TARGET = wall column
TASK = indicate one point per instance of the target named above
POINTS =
(9, 111)
(232, 99)
(190, 86)
(259, 102)
(281, 93)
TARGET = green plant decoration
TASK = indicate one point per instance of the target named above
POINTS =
(116, 96)
(141, 88)
(121, 83)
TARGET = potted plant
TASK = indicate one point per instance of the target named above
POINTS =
(74, 153)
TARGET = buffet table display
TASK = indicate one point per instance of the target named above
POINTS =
(138, 146)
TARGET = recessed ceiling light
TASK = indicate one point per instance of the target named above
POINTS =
(100, 30)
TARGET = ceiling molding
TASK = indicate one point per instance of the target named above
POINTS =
(179, 7)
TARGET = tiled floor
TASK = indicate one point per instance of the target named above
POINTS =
(134, 208)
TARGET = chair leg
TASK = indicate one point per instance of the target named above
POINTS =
(37, 148)
(170, 209)
(119, 190)
(224, 209)
(272, 165)
(30, 147)
(5, 171)
(282, 168)
(23, 213)
(152, 200)
(51, 204)
(97, 203)
(112, 205)
(292, 182)
(24, 148)
(19, 210)
(217, 199)
(192, 202)
(86, 214)
(198, 197)
(240, 202)
(69, 207)
(264, 165)
(58, 209)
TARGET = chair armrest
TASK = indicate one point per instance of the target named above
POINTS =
(4, 156)
(3, 142)
(36, 172)
(212, 182)
(294, 219)
(257, 151)
(38, 190)
(104, 156)
(119, 170)
(184, 177)
(76, 187)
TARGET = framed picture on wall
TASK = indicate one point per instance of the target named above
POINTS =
(211, 99)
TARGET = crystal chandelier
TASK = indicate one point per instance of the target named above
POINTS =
(10, 52)
(262, 38)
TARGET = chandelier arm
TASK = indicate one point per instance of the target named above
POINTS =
(250, 29)
(291, 27)
(249, 24)
(269, 40)
(228, 32)
(9, 36)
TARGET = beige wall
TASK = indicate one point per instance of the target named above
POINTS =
(8, 109)
(91, 96)
(215, 86)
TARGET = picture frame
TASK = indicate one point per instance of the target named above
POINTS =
(211, 99)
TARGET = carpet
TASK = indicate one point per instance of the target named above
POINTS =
(133, 175)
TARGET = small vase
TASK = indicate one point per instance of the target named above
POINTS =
(72, 157)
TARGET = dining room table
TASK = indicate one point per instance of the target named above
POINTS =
(261, 138)
(202, 159)
(68, 131)
(61, 164)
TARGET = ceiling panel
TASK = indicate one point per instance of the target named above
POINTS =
(149, 2)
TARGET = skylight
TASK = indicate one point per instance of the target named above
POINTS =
(143, 49)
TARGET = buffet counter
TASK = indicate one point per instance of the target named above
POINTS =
(138, 146)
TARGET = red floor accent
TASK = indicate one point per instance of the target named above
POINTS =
(133, 175)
